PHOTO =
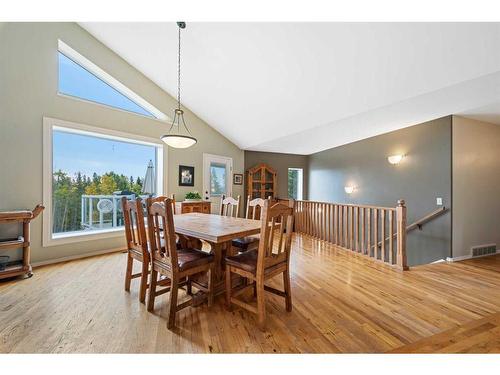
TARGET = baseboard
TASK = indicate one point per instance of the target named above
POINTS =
(75, 257)
(465, 257)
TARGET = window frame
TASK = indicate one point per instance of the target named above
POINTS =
(102, 75)
(300, 184)
(49, 125)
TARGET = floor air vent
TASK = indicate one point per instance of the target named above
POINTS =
(478, 251)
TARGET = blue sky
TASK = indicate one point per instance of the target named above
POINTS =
(76, 81)
(74, 153)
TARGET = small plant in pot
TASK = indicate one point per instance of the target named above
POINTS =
(193, 196)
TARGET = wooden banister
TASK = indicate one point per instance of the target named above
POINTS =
(357, 228)
(418, 224)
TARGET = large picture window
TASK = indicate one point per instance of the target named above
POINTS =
(89, 174)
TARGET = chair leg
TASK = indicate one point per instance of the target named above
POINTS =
(174, 290)
(261, 305)
(128, 272)
(211, 282)
(144, 282)
(189, 286)
(228, 287)
(152, 290)
(288, 290)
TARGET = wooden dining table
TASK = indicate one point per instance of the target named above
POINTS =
(218, 231)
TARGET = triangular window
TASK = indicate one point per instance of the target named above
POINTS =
(78, 77)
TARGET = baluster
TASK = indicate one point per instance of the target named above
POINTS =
(369, 232)
(382, 219)
(311, 218)
(356, 229)
(335, 224)
(375, 233)
(351, 229)
(325, 221)
(318, 224)
(346, 225)
(311, 213)
(401, 235)
(363, 223)
(320, 221)
(341, 225)
(391, 236)
(330, 223)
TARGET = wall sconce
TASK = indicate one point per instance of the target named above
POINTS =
(349, 189)
(395, 159)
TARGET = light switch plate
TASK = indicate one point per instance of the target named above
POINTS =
(439, 201)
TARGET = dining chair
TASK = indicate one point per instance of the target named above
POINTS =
(253, 211)
(176, 264)
(270, 259)
(161, 198)
(137, 244)
(229, 206)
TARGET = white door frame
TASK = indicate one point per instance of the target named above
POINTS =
(207, 159)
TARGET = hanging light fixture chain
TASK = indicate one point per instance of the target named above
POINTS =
(179, 72)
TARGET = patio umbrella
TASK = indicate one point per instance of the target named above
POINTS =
(149, 185)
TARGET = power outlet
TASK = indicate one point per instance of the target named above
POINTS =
(439, 201)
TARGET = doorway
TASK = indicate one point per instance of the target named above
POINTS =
(217, 179)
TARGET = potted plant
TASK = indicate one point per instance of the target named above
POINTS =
(192, 196)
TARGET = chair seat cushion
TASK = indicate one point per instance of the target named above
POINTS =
(246, 261)
(190, 258)
(246, 242)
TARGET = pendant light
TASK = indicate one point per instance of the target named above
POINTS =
(175, 137)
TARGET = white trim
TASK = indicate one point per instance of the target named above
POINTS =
(108, 107)
(111, 81)
(49, 124)
(76, 257)
(464, 257)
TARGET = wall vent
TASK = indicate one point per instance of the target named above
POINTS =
(482, 250)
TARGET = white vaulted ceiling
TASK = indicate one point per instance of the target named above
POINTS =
(306, 87)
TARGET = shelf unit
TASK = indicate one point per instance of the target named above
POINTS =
(261, 182)
(22, 267)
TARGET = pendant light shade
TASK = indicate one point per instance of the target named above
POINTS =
(176, 138)
(178, 141)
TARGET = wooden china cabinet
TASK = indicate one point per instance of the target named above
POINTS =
(261, 182)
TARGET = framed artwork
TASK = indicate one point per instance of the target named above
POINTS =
(186, 175)
(237, 179)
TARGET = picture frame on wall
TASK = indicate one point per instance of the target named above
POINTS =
(237, 179)
(186, 175)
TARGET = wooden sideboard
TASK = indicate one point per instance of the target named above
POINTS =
(187, 207)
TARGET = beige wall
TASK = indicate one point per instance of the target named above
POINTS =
(28, 92)
(476, 185)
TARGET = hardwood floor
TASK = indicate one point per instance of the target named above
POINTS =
(478, 336)
(341, 303)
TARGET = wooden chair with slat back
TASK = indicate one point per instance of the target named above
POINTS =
(161, 198)
(229, 206)
(176, 264)
(253, 211)
(272, 258)
(137, 244)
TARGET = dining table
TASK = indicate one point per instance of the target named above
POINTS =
(218, 231)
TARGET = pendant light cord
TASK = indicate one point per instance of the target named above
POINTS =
(179, 72)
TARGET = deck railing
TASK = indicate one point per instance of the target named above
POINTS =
(375, 232)
(103, 211)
